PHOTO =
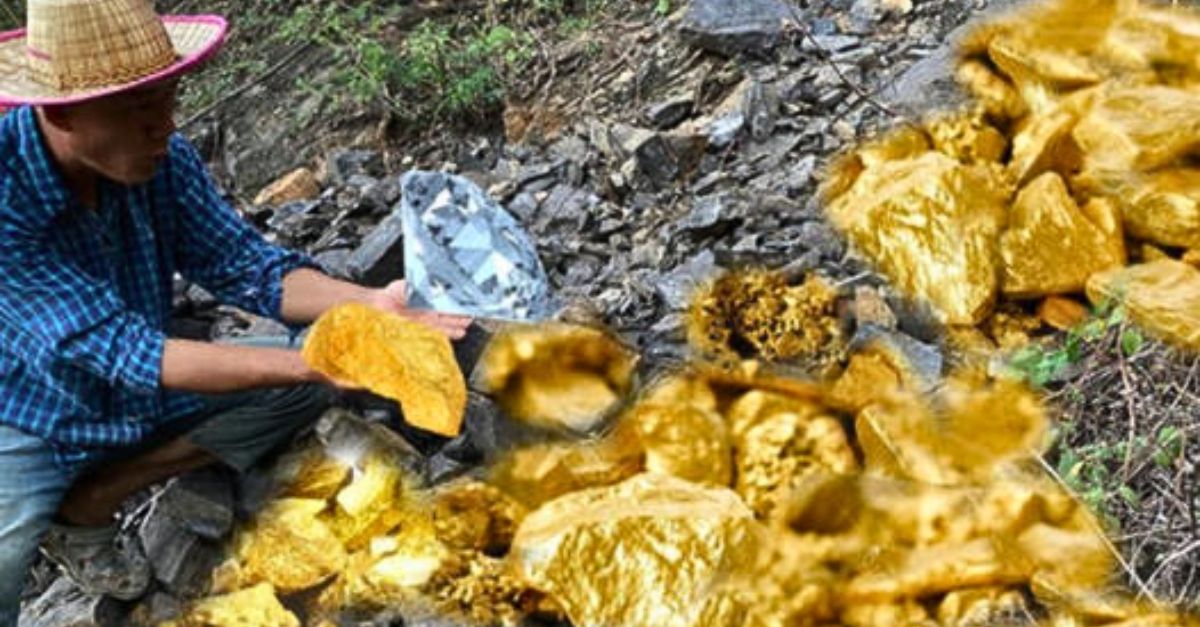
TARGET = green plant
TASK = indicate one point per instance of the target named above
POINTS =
(1039, 364)
(441, 70)
(1094, 470)
(662, 7)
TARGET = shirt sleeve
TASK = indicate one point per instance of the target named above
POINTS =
(56, 313)
(219, 250)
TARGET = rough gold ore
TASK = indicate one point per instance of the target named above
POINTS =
(254, 606)
(1098, 104)
(558, 375)
(1052, 245)
(932, 224)
(1162, 296)
(394, 357)
(756, 314)
(642, 552)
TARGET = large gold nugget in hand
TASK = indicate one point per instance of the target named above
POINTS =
(392, 357)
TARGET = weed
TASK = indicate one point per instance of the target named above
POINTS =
(1039, 364)
(441, 70)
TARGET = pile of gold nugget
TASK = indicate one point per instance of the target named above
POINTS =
(714, 496)
(734, 495)
(1074, 173)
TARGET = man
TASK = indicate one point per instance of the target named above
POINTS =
(101, 205)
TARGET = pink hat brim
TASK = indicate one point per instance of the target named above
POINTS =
(183, 65)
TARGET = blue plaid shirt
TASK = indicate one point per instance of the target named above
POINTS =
(85, 295)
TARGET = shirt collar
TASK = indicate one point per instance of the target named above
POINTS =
(46, 185)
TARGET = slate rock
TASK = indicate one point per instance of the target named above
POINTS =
(731, 28)
(676, 287)
(926, 360)
(202, 501)
(379, 260)
(64, 604)
(346, 163)
(180, 559)
(670, 113)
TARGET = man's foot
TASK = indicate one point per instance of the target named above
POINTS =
(99, 560)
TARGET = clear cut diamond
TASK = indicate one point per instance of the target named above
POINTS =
(463, 253)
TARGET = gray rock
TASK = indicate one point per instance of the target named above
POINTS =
(202, 501)
(821, 237)
(63, 604)
(711, 216)
(669, 113)
(181, 560)
(795, 270)
(523, 206)
(350, 438)
(566, 209)
(926, 360)
(379, 260)
(156, 608)
(871, 308)
(346, 163)
(725, 129)
(731, 28)
(335, 262)
(676, 287)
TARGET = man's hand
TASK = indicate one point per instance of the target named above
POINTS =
(392, 299)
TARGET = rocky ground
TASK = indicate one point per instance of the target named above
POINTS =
(644, 156)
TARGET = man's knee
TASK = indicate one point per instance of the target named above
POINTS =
(31, 486)
(241, 435)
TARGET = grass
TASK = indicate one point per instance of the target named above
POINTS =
(1127, 442)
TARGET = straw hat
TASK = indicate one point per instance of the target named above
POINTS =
(76, 50)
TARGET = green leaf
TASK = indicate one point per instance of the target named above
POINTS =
(1129, 496)
(1131, 341)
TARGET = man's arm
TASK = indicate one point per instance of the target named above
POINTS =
(218, 368)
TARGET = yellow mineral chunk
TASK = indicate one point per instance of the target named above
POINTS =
(774, 455)
(1011, 326)
(1139, 129)
(1068, 561)
(643, 552)
(1162, 297)
(1000, 99)
(1165, 208)
(966, 137)
(1044, 144)
(473, 515)
(685, 441)
(371, 505)
(1027, 61)
(558, 375)
(903, 143)
(758, 315)
(299, 184)
(540, 472)
(931, 225)
(878, 615)
(482, 589)
(1052, 246)
(935, 569)
(1166, 39)
(978, 429)
(980, 606)
(312, 474)
(1062, 313)
(289, 547)
(251, 607)
(867, 378)
(394, 357)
